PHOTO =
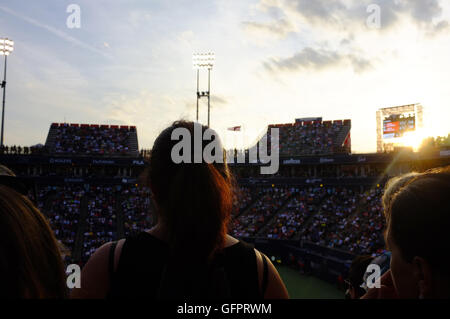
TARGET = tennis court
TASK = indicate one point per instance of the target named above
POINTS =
(307, 287)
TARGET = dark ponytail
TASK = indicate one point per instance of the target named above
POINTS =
(194, 203)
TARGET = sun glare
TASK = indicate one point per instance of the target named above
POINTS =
(413, 139)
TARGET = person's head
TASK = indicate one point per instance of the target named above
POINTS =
(31, 265)
(356, 274)
(393, 185)
(193, 200)
(417, 233)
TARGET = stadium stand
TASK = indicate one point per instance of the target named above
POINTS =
(290, 220)
(270, 200)
(136, 210)
(313, 137)
(84, 217)
(92, 139)
(325, 208)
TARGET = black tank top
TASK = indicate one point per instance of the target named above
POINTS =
(144, 257)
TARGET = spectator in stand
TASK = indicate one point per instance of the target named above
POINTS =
(188, 253)
(241, 200)
(63, 211)
(136, 208)
(308, 139)
(31, 264)
(101, 219)
(288, 223)
(270, 200)
(91, 140)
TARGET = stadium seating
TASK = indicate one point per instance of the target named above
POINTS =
(136, 208)
(345, 218)
(312, 138)
(269, 201)
(92, 139)
(85, 217)
(336, 217)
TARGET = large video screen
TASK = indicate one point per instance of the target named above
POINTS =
(397, 125)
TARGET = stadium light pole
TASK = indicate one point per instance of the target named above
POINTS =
(6, 47)
(203, 61)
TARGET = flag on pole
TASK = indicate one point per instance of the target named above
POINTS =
(234, 128)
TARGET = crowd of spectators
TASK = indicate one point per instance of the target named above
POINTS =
(91, 140)
(62, 206)
(137, 209)
(365, 228)
(288, 222)
(308, 139)
(346, 218)
(327, 224)
(101, 221)
(23, 150)
(242, 198)
(249, 223)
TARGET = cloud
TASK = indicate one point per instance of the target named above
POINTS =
(216, 101)
(423, 11)
(144, 110)
(279, 28)
(347, 14)
(341, 12)
(332, 33)
(316, 59)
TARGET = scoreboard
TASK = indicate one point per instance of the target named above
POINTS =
(397, 125)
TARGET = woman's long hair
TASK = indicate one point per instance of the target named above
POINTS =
(194, 202)
(31, 265)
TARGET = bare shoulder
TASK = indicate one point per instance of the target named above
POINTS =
(95, 274)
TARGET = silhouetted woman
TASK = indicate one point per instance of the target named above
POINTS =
(31, 265)
(188, 254)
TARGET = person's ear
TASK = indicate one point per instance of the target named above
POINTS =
(424, 277)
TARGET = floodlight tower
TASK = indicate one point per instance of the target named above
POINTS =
(203, 61)
(6, 47)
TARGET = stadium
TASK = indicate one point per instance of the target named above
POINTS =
(313, 217)
(224, 150)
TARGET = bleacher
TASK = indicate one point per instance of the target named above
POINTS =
(313, 137)
(92, 139)
(84, 217)
(345, 218)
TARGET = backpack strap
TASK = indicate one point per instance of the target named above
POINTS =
(112, 250)
(265, 275)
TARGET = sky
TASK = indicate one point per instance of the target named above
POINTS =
(130, 62)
